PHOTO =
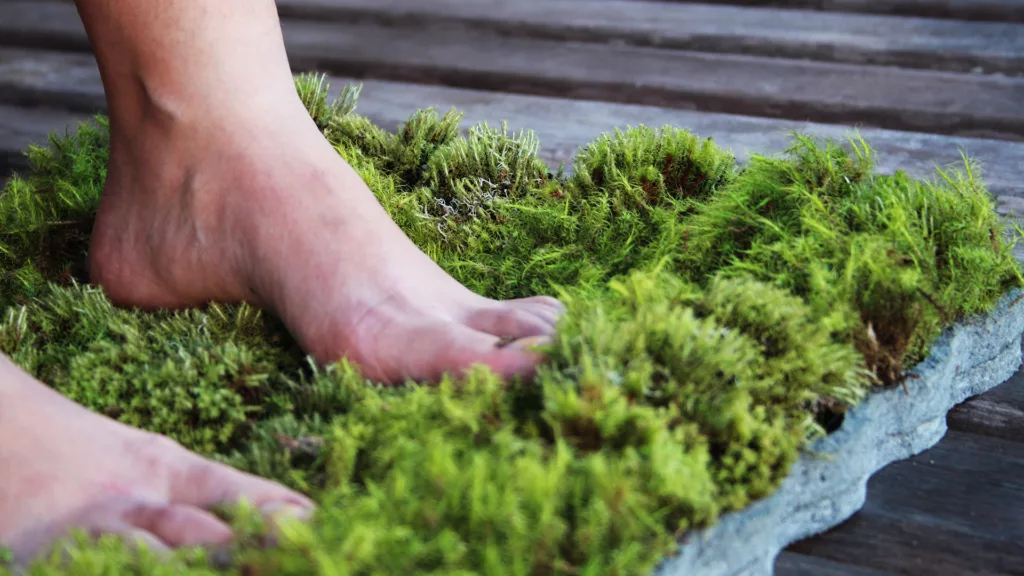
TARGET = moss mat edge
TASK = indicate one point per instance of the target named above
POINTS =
(828, 483)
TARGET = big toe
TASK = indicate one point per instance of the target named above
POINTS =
(431, 351)
(206, 484)
(515, 354)
(546, 307)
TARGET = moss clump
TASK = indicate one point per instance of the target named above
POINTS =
(716, 316)
(885, 261)
(45, 220)
(199, 377)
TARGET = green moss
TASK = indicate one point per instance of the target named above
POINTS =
(884, 261)
(717, 317)
(46, 218)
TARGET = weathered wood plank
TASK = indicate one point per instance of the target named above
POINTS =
(999, 413)
(45, 78)
(954, 509)
(562, 125)
(793, 564)
(930, 101)
(49, 24)
(20, 127)
(973, 485)
(993, 10)
(900, 546)
(958, 104)
(912, 42)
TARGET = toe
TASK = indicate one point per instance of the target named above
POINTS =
(103, 519)
(428, 351)
(206, 484)
(547, 302)
(179, 525)
(541, 309)
(142, 539)
(512, 321)
(467, 348)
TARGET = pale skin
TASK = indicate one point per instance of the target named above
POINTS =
(220, 188)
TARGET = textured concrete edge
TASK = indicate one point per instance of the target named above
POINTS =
(828, 483)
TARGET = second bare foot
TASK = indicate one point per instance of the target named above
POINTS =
(65, 468)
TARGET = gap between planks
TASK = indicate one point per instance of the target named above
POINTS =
(990, 47)
(793, 564)
(954, 509)
(994, 10)
(456, 55)
(998, 413)
(20, 127)
(72, 81)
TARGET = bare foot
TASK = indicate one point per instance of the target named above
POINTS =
(65, 467)
(254, 205)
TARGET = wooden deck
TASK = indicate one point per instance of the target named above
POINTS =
(923, 79)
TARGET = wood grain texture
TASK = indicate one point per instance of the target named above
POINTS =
(793, 564)
(992, 47)
(72, 80)
(66, 80)
(993, 10)
(20, 127)
(907, 548)
(937, 102)
(999, 414)
(968, 484)
(457, 55)
(954, 509)
(48, 24)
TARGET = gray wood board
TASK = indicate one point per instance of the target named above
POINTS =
(41, 24)
(562, 125)
(20, 127)
(992, 47)
(968, 484)
(67, 80)
(940, 102)
(999, 414)
(954, 509)
(793, 564)
(957, 104)
(905, 547)
(995, 10)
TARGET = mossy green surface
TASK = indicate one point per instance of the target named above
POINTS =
(718, 319)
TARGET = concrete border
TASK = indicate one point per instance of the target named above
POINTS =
(828, 484)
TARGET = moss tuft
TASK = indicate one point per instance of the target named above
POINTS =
(645, 167)
(46, 218)
(884, 261)
(716, 317)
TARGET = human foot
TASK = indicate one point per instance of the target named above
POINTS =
(254, 205)
(64, 467)
(220, 188)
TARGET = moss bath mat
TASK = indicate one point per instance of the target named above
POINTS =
(743, 346)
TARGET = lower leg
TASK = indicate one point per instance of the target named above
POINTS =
(221, 188)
